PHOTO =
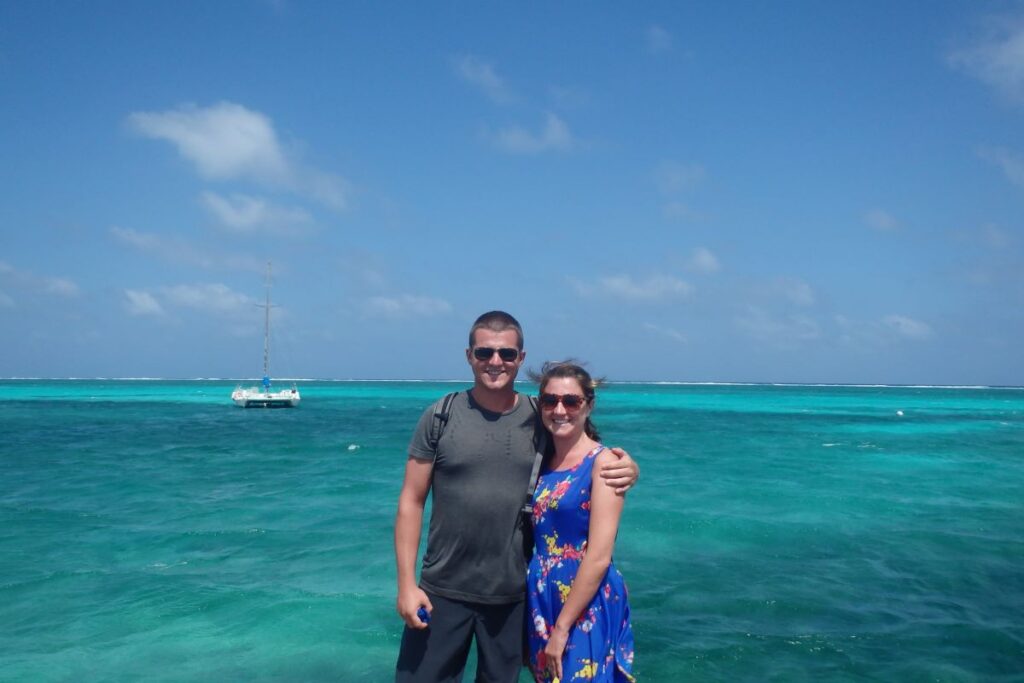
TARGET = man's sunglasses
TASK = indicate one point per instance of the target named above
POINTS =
(570, 401)
(486, 353)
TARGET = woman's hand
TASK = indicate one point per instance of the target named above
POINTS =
(554, 649)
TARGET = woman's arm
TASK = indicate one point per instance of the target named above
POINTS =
(605, 511)
(621, 472)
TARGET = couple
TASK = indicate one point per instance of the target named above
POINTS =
(481, 458)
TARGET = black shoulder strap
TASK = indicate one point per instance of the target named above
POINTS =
(442, 410)
(538, 458)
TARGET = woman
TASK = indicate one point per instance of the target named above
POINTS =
(578, 613)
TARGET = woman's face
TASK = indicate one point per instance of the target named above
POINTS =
(562, 420)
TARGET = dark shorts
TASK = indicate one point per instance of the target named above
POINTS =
(438, 653)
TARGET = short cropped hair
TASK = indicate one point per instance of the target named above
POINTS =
(496, 321)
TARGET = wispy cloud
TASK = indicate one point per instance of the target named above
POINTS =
(907, 328)
(673, 177)
(681, 211)
(482, 75)
(139, 302)
(794, 290)
(653, 288)
(657, 39)
(61, 286)
(997, 57)
(211, 298)
(554, 136)
(568, 96)
(6, 301)
(227, 141)
(783, 331)
(879, 332)
(674, 335)
(178, 251)
(994, 237)
(32, 282)
(880, 220)
(702, 260)
(243, 213)
(406, 306)
(1011, 164)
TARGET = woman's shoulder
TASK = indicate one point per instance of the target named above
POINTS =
(602, 455)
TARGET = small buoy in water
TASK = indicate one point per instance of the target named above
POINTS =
(900, 413)
(353, 447)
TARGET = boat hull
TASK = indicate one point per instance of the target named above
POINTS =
(257, 398)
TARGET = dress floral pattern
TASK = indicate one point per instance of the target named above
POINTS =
(600, 645)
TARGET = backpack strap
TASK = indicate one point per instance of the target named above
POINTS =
(442, 411)
(538, 458)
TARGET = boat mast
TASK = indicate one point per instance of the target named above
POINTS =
(266, 333)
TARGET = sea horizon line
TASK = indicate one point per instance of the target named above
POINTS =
(280, 380)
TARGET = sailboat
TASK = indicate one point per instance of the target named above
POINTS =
(263, 396)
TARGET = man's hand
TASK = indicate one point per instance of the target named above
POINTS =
(409, 602)
(621, 474)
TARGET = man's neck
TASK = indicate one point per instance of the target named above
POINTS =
(500, 401)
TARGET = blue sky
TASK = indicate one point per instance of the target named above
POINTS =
(778, 192)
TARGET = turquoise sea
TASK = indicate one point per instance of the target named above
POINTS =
(151, 531)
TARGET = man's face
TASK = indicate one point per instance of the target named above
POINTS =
(493, 372)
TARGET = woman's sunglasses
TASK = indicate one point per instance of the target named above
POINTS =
(507, 355)
(570, 401)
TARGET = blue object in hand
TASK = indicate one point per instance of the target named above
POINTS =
(423, 614)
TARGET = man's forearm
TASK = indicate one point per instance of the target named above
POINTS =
(408, 524)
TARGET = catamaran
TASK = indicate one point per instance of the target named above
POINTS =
(263, 396)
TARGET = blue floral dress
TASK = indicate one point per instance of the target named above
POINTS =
(600, 645)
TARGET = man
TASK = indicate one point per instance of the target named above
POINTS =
(472, 583)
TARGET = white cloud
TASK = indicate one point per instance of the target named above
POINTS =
(6, 301)
(29, 281)
(673, 177)
(554, 136)
(246, 214)
(224, 141)
(1011, 164)
(703, 260)
(997, 58)
(880, 220)
(674, 335)
(214, 298)
(658, 39)
(227, 141)
(140, 302)
(407, 305)
(783, 331)
(482, 75)
(139, 240)
(61, 286)
(654, 288)
(907, 328)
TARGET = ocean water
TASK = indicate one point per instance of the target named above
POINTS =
(151, 531)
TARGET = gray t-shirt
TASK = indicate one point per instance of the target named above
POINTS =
(481, 473)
